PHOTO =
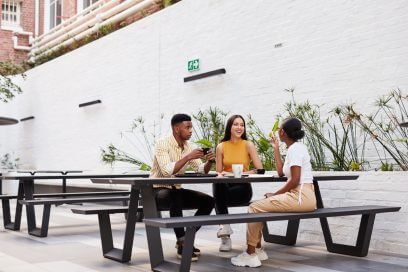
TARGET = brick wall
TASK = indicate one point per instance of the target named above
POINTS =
(7, 51)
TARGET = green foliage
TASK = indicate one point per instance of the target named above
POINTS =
(139, 138)
(335, 135)
(8, 89)
(8, 162)
(209, 125)
(265, 151)
(204, 143)
(383, 127)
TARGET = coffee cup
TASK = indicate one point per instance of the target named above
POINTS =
(237, 170)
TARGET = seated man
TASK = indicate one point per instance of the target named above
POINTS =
(172, 155)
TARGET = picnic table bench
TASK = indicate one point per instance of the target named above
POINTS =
(25, 196)
(192, 222)
(153, 222)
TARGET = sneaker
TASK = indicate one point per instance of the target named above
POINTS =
(196, 251)
(225, 244)
(261, 254)
(194, 256)
(225, 230)
(244, 259)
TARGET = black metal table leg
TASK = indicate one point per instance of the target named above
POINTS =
(188, 249)
(28, 195)
(8, 224)
(109, 251)
(152, 233)
(289, 239)
(364, 232)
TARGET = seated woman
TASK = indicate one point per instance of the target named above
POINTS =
(233, 149)
(297, 195)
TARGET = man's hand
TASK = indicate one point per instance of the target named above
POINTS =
(210, 156)
(195, 154)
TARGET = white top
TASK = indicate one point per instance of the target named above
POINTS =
(299, 156)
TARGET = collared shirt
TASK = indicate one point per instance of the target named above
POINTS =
(167, 153)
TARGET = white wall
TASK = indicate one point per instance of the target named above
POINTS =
(390, 231)
(332, 52)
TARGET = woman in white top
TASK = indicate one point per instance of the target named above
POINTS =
(296, 195)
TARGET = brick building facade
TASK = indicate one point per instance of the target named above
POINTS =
(22, 21)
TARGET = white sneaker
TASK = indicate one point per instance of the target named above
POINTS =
(244, 259)
(225, 230)
(225, 244)
(261, 254)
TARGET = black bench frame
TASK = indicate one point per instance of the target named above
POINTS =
(361, 249)
(26, 192)
(153, 233)
(5, 199)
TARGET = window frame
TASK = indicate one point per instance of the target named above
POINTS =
(7, 24)
(47, 14)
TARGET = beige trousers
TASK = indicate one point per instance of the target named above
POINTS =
(287, 202)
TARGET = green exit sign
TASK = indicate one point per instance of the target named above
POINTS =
(193, 65)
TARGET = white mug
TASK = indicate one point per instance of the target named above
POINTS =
(237, 170)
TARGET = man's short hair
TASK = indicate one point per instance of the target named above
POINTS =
(179, 118)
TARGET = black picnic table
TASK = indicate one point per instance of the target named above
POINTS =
(26, 192)
(144, 187)
(63, 172)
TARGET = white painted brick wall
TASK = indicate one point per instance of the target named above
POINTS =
(332, 52)
(372, 188)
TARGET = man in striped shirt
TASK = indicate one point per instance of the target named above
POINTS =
(172, 155)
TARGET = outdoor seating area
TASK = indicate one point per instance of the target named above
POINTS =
(140, 200)
(74, 245)
(186, 135)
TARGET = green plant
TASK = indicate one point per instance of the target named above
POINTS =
(140, 139)
(335, 135)
(204, 143)
(8, 162)
(209, 125)
(383, 127)
(8, 89)
(257, 136)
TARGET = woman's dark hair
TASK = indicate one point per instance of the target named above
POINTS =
(179, 118)
(230, 122)
(293, 128)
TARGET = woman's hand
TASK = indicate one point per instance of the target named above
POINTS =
(274, 142)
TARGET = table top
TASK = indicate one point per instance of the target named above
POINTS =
(404, 124)
(70, 176)
(5, 121)
(198, 180)
(63, 172)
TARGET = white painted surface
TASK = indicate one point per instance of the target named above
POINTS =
(332, 52)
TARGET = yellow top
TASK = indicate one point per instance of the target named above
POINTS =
(235, 153)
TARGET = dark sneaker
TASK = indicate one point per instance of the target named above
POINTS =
(194, 256)
(196, 251)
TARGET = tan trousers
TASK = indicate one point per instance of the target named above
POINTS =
(287, 202)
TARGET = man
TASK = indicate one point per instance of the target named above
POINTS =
(172, 155)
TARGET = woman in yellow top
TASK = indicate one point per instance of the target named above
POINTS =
(233, 149)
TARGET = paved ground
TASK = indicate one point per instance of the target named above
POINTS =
(73, 245)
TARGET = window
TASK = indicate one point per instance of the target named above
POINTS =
(55, 13)
(87, 3)
(10, 13)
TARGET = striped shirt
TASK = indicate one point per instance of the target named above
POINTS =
(167, 153)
